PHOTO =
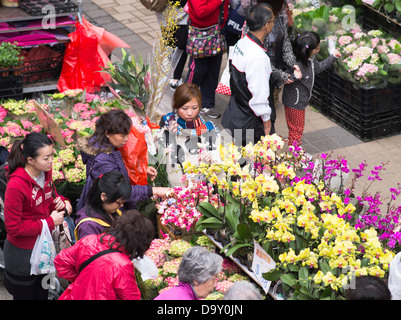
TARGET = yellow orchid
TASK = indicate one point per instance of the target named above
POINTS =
(289, 257)
(318, 278)
(328, 278)
(376, 271)
(361, 272)
(338, 263)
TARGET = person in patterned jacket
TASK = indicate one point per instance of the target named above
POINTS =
(296, 95)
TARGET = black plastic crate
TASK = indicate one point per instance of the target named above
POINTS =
(34, 7)
(364, 101)
(321, 99)
(365, 127)
(11, 87)
(44, 69)
(372, 20)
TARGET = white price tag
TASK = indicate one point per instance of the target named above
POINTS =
(262, 262)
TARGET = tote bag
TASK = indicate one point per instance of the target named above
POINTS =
(206, 42)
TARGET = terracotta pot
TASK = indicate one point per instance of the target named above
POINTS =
(4, 72)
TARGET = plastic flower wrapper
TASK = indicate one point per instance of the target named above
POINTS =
(178, 247)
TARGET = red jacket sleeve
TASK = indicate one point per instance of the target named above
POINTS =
(125, 284)
(66, 263)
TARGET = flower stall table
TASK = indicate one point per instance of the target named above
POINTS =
(43, 52)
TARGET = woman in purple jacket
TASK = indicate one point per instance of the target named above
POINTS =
(100, 154)
(196, 275)
(107, 195)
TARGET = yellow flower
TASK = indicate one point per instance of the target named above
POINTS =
(386, 257)
(325, 206)
(338, 263)
(318, 277)
(376, 272)
(361, 272)
(287, 237)
(289, 257)
(328, 278)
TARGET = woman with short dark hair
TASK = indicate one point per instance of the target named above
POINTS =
(100, 154)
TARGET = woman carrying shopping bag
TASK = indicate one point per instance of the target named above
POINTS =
(206, 17)
(28, 200)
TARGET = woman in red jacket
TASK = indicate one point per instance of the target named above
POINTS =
(204, 72)
(110, 276)
(28, 200)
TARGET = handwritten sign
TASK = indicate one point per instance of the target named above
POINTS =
(49, 124)
(262, 262)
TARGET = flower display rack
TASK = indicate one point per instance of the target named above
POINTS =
(373, 19)
(44, 69)
(34, 7)
(11, 87)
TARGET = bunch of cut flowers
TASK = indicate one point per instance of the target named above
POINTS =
(179, 209)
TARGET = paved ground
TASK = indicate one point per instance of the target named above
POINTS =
(138, 27)
(131, 21)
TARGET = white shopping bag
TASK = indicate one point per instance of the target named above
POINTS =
(43, 253)
(147, 268)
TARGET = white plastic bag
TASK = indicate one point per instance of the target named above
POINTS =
(43, 253)
(147, 268)
(394, 279)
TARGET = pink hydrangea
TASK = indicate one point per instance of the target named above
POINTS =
(344, 40)
(363, 52)
(366, 67)
(394, 58)
(223, 286)
(79, 107)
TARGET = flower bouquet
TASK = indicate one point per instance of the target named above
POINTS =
(178, 213)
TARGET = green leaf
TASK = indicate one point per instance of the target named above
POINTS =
(232, 217)
(208, 209)
(243, 232)
(272, 275)
(303, 275)
(289, 279)
(234, 248)
(211, 222)
(389, 7)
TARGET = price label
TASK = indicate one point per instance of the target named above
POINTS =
(262, 262)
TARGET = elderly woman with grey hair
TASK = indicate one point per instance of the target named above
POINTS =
(196, 274)
(243, 290)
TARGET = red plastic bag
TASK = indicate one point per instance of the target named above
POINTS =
(85, 56)
(135, 155)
